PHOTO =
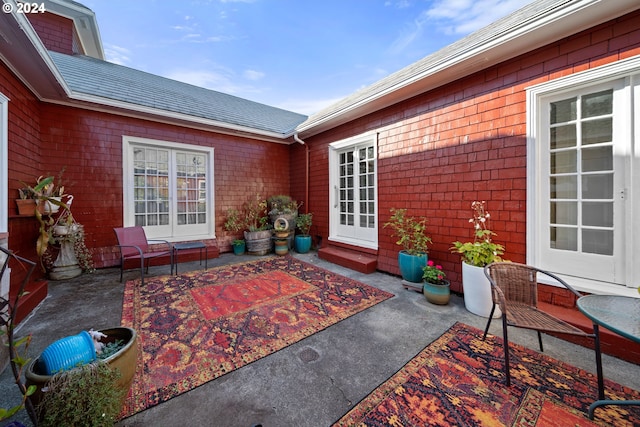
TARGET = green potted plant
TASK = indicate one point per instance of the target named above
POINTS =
(85, 395)
(436, 288)
(475, 256)
(412, 237)
(235, 223)
(239, 246)
(303, 240)
(119, 352)
(253, 220)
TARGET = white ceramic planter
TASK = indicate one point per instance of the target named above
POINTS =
(477, 291)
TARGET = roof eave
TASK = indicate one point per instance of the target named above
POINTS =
(85, 22)
(575, 16)
(105, 105)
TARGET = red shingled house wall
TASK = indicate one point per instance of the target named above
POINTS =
(441, 150)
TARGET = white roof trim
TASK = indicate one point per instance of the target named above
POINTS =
(486, 47)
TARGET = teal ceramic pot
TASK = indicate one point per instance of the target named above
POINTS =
(439, 294)
(239, 248)
(303, 244)
(411, 266)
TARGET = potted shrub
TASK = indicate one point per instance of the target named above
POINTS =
(72, 398)
(436, 288)
(239, 246)
(119, 353)
(253, 220)
(412, 237)
(475, 256)
(303, 240)
(235, 223)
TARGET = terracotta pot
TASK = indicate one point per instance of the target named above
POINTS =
(124, 360)
(26, 207)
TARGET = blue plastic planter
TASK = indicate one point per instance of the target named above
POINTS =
(67, 353)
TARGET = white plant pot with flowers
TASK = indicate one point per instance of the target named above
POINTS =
(475, 256)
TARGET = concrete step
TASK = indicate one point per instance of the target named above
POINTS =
(34, 294)
(610, 342)
(358, 261)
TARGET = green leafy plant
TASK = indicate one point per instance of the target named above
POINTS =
(433, 273)
(482, 251)
(282, 204)
(84, 395)
(411, 231)
(303, 222)
(252, 217)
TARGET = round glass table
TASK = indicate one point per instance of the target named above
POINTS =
(619, 314)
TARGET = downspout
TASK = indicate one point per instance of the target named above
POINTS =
(306, 178)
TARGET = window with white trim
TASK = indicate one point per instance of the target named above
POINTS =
(583, 176)
(4, 153)
(168, 189)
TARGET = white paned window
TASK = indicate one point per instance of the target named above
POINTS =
(353, 196)
(168, 189)
(4, 154)
(583, 183)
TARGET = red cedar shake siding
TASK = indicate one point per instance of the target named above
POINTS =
(465, 141)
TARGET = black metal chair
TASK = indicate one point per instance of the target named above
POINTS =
(515, 290)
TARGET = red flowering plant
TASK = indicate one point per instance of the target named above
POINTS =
(432, 273)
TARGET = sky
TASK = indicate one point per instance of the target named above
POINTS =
(299, 55)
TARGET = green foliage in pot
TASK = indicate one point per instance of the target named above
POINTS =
(303, 222)
(252, 216)
(282, 204)
(482, 251)
(410, 231)
(85, 395)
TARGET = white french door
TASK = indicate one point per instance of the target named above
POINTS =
(353, 197)
(583, 172)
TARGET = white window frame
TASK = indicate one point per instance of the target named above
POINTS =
(628, 71)
(4, 162)
(334, 149)
(128, 213)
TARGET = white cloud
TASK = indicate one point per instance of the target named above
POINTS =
(306, 106)
(455, 17)
(253, 75)
(117, 55)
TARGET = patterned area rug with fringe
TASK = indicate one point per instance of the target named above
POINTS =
(458, 380)
(198, 326)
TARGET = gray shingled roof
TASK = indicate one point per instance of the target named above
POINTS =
(90, 76)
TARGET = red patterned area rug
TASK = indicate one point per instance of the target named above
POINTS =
(458, 380)
(198, 326)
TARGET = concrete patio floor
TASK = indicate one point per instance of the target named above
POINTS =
(350, 359)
